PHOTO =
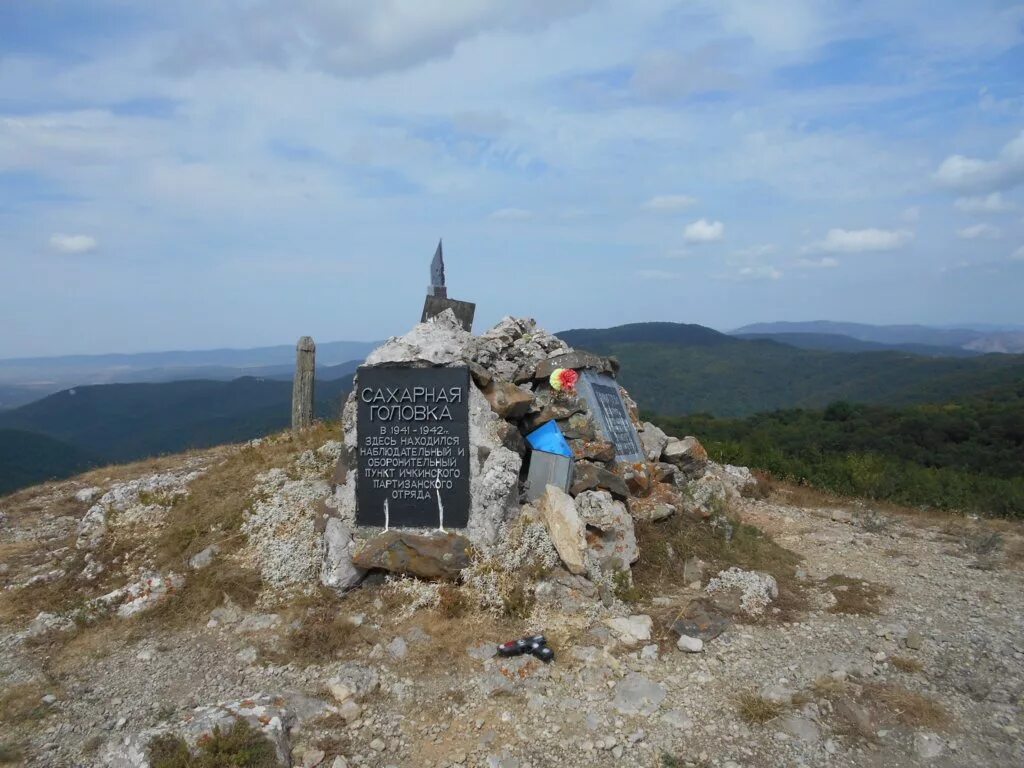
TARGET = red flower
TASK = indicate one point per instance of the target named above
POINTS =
(569, 378)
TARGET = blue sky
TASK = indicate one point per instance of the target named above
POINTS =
(207, 174)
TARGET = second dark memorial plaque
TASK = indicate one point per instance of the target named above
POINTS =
(413, 427)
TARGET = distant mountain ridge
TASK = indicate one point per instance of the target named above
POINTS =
(1011, 342)
(834, 342)
(676, 369)
(25, 379)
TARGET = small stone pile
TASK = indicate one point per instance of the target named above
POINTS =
(591, 528)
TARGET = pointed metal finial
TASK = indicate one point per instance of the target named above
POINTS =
(437, 285)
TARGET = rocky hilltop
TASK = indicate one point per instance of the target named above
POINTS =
(226, 608)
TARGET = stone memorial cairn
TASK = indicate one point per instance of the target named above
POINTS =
(566, 545)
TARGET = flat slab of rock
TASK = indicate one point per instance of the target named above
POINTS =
(636, 695)
(702, 619)
(439, 557)
(558, 511)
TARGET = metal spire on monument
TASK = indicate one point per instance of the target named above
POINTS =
(437, 295)
(437, 286)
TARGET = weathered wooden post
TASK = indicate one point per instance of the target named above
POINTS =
(302, 385)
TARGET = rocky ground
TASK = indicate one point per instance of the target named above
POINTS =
(905, 648)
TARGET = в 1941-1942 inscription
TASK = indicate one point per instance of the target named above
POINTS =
(413, 427)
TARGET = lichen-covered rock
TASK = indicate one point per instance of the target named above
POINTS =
(755, 590)
(92, 528)
(686, 454)
(439, 556)
(593, 450)
(706, 496)
(493, 472)
(590, 476)
(653, 440)
(611, 539)
(664, 501)
(558, 511)
(564, 591)
(280, 527)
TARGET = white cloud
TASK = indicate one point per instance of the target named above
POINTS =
(657, 274)
(971, 174)
(667, 75)
(669, 203)
(766, 272)
(704, 231)
(911, 214)
(978, 232)
(862, 240)
(352, 38)
(825, 262)
(511, 214)
(756, 251)
(73, 243)
(992, 203)
(1018, 255)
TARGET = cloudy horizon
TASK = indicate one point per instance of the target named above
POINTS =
(239, 174)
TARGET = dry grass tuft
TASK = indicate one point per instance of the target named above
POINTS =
(856, 597)
(905, 706)
(667, 544)
(828, 687)
(324, 629)
(239, 745)
(805, 496)
(22, 703)
(906, 664)
(761, 488)
(757, 710)
(10, 754)
(203, 591)
(451, 604)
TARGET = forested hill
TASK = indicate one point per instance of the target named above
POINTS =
(27, 458)
(123, 422)
(674, 369)
(967, 455)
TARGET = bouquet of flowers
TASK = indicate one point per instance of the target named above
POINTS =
(564, 380)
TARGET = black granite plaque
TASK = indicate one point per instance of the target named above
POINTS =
(602, 395)
(413, 426)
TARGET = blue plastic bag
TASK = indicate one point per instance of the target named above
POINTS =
(549, 438)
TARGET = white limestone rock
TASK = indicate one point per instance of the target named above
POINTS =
(336, 569)
(610, 535)
(439, 341)
(558, 511)
(631, 630)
